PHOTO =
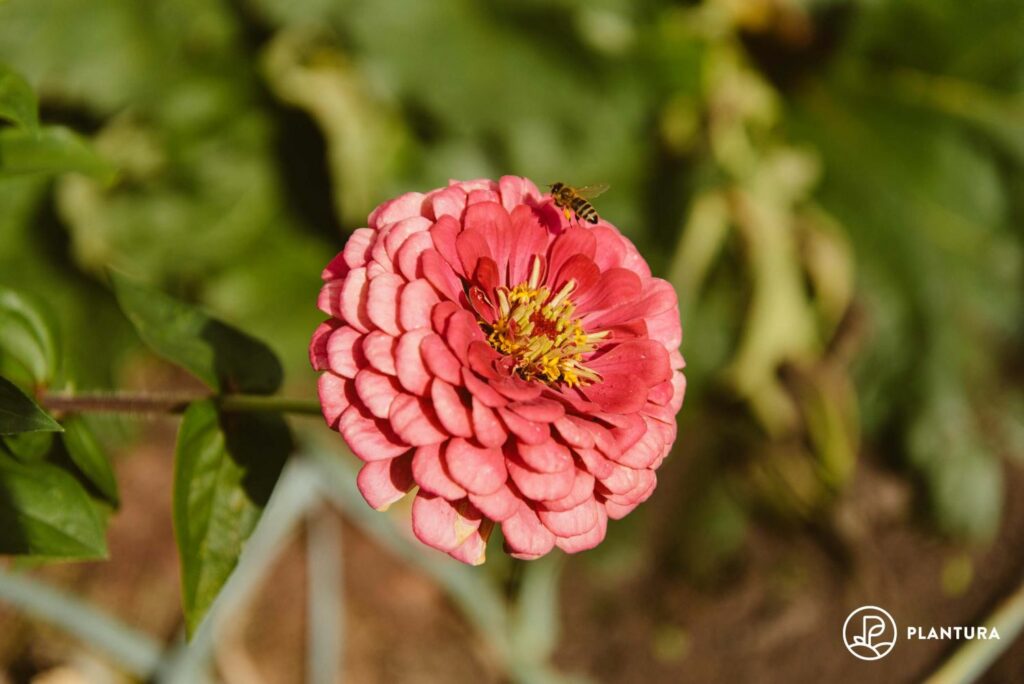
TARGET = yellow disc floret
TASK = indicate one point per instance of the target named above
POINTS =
(541, 333)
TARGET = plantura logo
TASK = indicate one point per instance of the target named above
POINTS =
(869, 633)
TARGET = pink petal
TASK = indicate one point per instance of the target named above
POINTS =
(645, 486)
(679, 391)
(444, 233)
(582, 490)
(408, 257)
(626, 429)
(318, 357)
(382, 302)
(404, 206)
(526, 430)
(471, 246)
(589, 539)
(475, 184)
(376, 391)
(525, 536)
(430, 473)
(488, 429)
(344, 351)
(441, 314)
(573, 522)
(491, 220)
(611, 248)
(481, 357)
(329, 299)
(478, 298)
(336, 268)
(581, 270)
(370, 439)
(627, 371)
(441, 524)
(645, 451)
(455, 416)
(539, 410)
(480, 196)
(439, 359)
(514, 387)
(334, 397)
(416, 302)
(619, 511)
(481, 390)
(450, 202)
(661, 297)
(572, 431)
(384, 482)
(353, 298)
(486, 276)
(665, 328)
(499, 505)
(357, 247)
(516, 191)
(437, 271)
(612, 287)
(379, 348)
(574, 241)
(461, 330)
(473, 551)
(646, 306)
(596, 462)
(400, 233)
(661, 394)
(412, 371)
(375, 268)
(540, 486)
(414, 421)
(603, 438)
(622, 479)
(549, 457)
(481, 470)
(531, 239)
(620, 505)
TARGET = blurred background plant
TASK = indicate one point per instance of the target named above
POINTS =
(835, 188)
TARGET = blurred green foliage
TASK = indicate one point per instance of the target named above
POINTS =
(835, 187)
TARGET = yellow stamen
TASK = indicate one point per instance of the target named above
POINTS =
(541, 332)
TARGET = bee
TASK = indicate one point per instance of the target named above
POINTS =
(573, 201)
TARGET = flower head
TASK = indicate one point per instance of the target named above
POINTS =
(518, 368)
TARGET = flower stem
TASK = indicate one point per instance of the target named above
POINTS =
(256, 403)
(145, 403)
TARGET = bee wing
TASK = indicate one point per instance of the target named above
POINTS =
(592, 191)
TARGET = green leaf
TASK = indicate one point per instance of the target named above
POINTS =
(28, 334)
(225, 469)
(223, 357)
(87, 453)
(29, 446)
(17, 101)
(963, 478)
(18, 413)
(45, 512)
(51, 149)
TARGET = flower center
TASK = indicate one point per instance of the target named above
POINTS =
(541, 333)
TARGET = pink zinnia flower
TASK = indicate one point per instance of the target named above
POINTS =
(517, 367)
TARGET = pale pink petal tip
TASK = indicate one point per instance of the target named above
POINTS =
(439, 375)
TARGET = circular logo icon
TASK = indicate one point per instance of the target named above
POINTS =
(869, 633)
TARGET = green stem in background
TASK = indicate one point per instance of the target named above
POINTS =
(974, 658)
(147, 403)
